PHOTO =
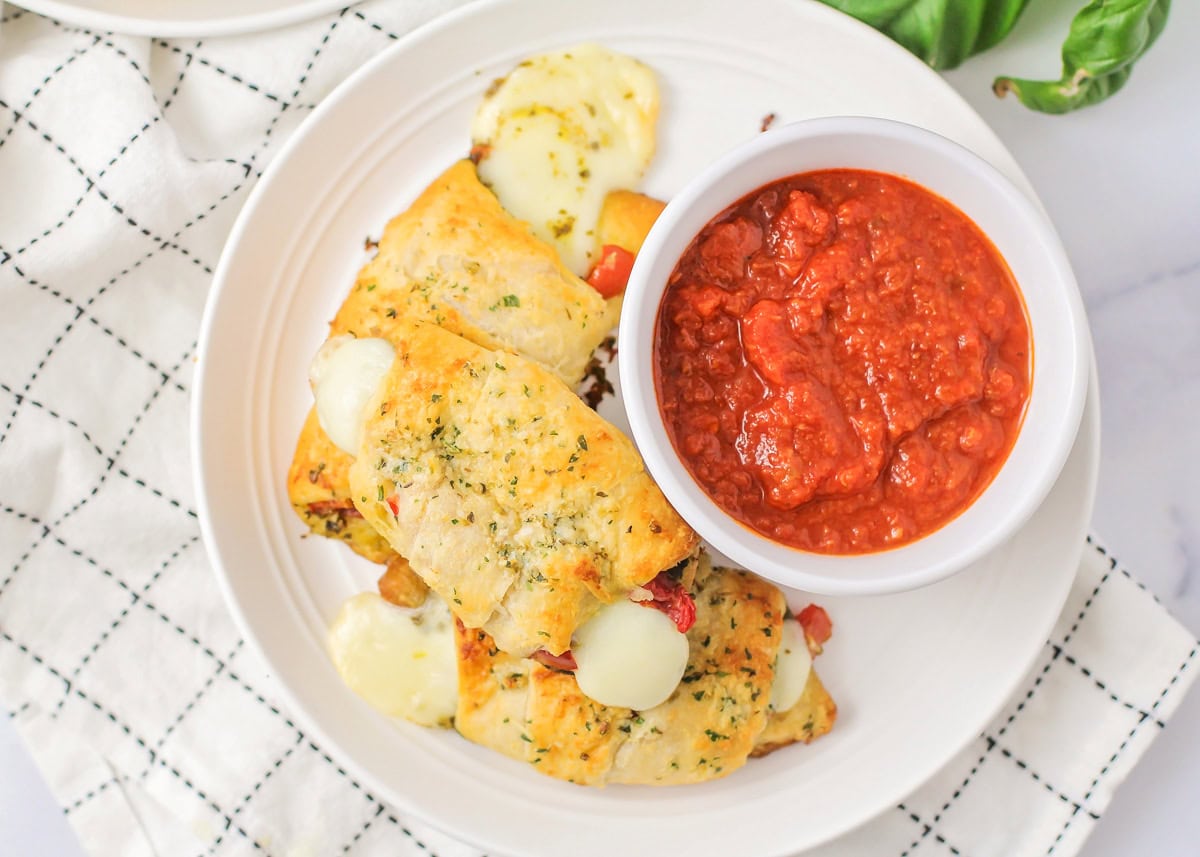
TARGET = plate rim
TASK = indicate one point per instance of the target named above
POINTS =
(189, 28)
(1090, 424)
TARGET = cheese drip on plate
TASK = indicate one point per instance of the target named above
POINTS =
(400, 660)
(558, 133)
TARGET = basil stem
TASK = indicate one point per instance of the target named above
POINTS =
(1105, 39)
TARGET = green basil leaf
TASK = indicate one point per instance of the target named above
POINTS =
(941, 32)
(1106, 38)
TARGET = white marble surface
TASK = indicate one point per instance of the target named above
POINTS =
(1122, 183)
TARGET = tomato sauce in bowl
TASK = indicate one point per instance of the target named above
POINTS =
(842, 360)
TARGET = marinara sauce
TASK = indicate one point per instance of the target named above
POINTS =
(842, 359)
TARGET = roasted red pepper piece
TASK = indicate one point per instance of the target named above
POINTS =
(611, 273)
(818, 627)
(671, 598)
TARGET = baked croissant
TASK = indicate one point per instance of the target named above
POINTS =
(517, 503)
(717, 717)
(456, 258)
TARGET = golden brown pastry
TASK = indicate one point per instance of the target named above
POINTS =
(717, 717)
(626, 218)
(543, 320)
(318, 486)
(509, 496)
(400, 585)
(809, 718)
(458, 259)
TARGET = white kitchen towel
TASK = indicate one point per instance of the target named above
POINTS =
(123, 162)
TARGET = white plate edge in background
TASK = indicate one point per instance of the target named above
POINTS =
(230, 23)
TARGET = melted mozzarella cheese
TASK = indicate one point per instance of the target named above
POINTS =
(629, 656)
(400, 660)
(792, 666)
(344, 376)
(560, 132)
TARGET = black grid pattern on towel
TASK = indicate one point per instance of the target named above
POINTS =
(991, 741)
(23, 271)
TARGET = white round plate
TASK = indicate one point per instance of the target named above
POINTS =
(916, 675)
(182, 18)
